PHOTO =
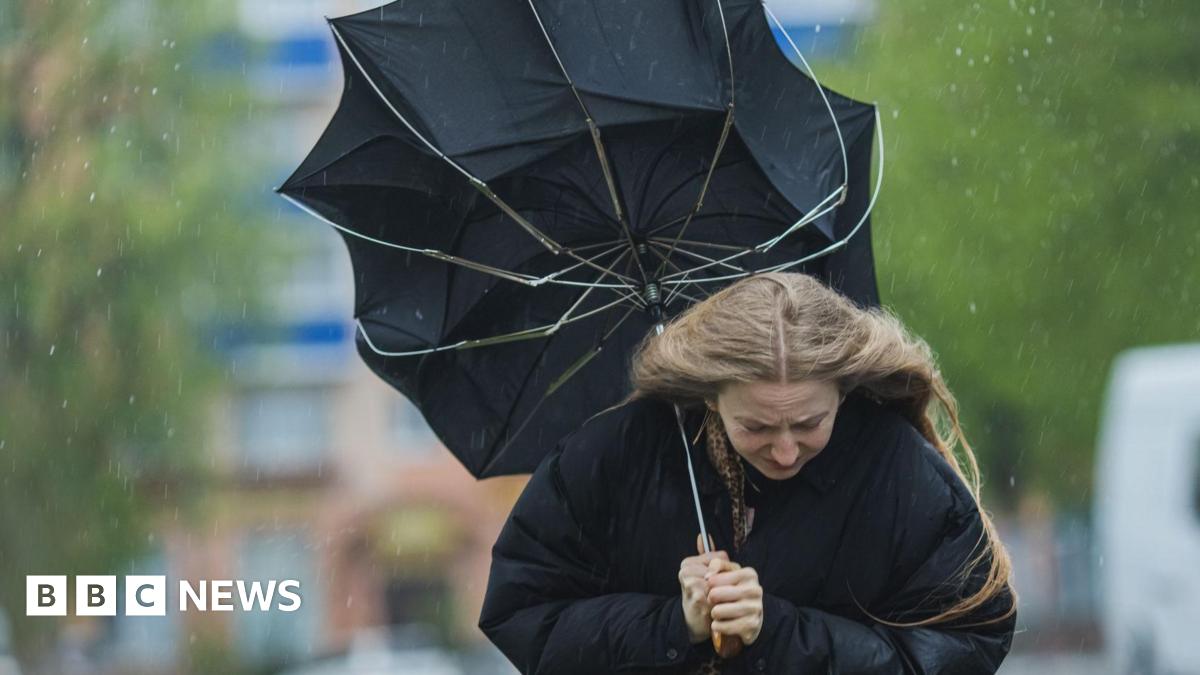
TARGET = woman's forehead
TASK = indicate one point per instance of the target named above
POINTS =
(778, 398)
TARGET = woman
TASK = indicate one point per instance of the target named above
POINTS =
(847, 536)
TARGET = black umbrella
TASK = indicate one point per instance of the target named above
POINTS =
(527, 187)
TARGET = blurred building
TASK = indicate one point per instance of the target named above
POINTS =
(324, 473)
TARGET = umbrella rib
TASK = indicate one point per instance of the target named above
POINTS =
(866, 212)
(759, 248)
(678, 288)
(604, 271)
(611, 268)
(700, 256)
(551, 245)
(819, 210)
(712, 166)
(617, 242)
(527, 279)
(526, 334)
(518, 277)
(558, 382)
(696, 242)
(820, 90)
(601, 155)
(637, 300)
(667, 261)
(679, 294)
(582, 296)
(828, 249)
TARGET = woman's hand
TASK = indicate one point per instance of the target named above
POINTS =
(735, 599)
(694, 589)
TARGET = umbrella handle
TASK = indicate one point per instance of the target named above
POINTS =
(726, 646)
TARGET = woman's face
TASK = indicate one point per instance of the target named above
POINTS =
(778, 427)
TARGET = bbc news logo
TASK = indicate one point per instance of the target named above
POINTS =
(146, 595)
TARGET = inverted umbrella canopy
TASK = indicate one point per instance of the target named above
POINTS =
(527, 188)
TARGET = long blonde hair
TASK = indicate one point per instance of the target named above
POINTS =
(789, 327)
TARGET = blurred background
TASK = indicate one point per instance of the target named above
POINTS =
(179, 392)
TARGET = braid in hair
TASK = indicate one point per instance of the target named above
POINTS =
(732, 473)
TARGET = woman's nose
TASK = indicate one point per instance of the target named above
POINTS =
(785, 452)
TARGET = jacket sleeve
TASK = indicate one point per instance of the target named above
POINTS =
(803, 639)
(547, 606)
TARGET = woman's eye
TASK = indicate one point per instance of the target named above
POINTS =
(805, 427)
(753, 430)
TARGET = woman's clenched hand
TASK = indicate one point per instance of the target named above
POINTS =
(735, 601)
(695, 590)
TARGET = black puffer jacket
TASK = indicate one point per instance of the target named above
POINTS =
(584, 573)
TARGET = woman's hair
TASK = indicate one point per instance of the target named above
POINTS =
(789, 327)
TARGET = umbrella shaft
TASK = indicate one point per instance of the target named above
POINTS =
(687, 451)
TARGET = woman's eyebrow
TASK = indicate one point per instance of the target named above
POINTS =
(751, 420)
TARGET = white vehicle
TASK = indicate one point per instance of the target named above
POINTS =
(1147, 511)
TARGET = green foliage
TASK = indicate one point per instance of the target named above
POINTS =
(1038, 210)
(120, 246)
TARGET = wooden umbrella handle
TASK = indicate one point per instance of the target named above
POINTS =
(727, 646)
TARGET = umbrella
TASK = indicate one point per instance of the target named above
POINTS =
(527, 187)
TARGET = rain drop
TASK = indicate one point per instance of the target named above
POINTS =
(52, 348)
(92, 198)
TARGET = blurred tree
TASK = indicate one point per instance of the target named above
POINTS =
(1038, 214)
(122, 244)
